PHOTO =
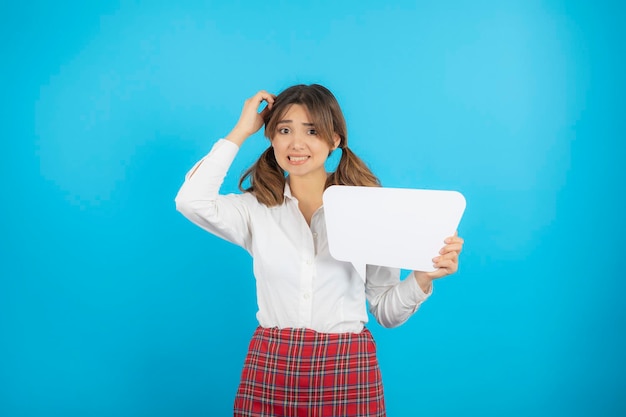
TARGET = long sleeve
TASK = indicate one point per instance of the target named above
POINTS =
(392, 301)
(199, 200)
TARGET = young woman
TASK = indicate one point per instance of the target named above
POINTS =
(311, 354)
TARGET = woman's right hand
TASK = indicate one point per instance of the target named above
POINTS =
(251, 120)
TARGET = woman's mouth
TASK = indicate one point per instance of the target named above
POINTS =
(296, 160)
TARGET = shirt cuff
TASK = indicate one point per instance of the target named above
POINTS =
(411, 294)
(226, 144)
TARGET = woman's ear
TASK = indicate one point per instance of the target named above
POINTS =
(336, 141)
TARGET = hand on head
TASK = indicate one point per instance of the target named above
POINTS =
(251, 120)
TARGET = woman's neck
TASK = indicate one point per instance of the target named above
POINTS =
(308, 191)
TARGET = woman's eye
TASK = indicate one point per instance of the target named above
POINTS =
(312, 132)
(283, 130)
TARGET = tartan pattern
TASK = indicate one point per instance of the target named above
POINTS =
(303, 373)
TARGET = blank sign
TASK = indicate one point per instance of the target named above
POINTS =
(395, 227)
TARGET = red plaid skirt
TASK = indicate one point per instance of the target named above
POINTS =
(300, 372)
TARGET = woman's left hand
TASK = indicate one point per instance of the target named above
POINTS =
(446, 263)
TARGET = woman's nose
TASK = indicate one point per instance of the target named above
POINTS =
(298, 141)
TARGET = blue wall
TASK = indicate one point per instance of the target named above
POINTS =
(111, 303)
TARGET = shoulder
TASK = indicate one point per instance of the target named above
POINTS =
(249, 199)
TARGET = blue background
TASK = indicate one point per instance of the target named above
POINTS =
(111, 303)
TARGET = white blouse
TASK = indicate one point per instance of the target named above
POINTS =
(298, 283)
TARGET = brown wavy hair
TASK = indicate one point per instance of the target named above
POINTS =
(267, 178)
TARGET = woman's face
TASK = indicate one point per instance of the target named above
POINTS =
(298, 148)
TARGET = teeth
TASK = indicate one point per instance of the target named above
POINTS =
(298, 158)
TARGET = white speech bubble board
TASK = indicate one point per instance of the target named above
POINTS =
(394, 227)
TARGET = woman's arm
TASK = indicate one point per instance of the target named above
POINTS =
(198, 199)
(393, 301)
